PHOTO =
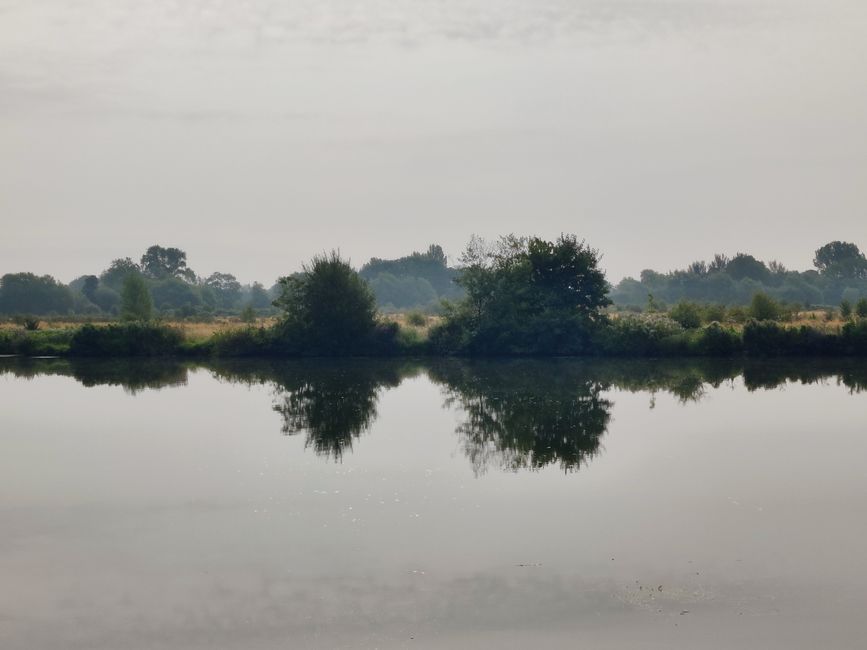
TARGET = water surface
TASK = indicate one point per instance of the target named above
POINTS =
(451, 504)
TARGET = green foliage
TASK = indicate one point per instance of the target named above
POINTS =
(136, 301)
(743, 266)
(31, 294)
(248, 315)
(158, 263)
(418, 280)
(714, 313)
(841, 260)
(763, 307)
(416, 318)
(328, 309)
(35, 342)
(137, 339)
(861, 308)
(687, 314)
(114, 276)
(846, 310)
(526, 296)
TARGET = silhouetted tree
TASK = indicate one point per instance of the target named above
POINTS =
(841, 260)
(328, 308)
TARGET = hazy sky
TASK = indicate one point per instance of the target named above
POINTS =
(254, 133)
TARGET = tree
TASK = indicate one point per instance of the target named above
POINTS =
(763, 307)
(846, 310)
(89, 286)
(226, 287)
(258, 297)
(33, 294)
(527, 296)
(159, 262)
(327, 308)
(687, 314)
(114, 276)
(842, 260)
(861, 308)
(136, 303)
(746, 266)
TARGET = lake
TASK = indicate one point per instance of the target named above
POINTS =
(445, 504)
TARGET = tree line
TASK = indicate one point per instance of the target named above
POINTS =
(839, 274)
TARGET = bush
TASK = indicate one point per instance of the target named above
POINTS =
(126, 340)
(846, 310)
(328, 309)
(765, 308)
(416, 319)
(861, 308)
(687, 314)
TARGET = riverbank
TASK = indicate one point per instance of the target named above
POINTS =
(639, 338)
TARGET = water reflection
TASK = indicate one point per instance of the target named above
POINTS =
(331, 402)
(526, 414)
(513, 415)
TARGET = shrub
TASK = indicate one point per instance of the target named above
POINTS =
(416, 318)
(861, 308)
(126, 340)
(687, 314)
(846, 310)
(763, 307)
(328, 309)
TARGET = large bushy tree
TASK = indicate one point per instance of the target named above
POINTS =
(328, 308)
(158, 263)
(27, 293)
(526, 296)
(136, 303)
(842, 260)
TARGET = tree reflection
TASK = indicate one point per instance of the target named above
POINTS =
(331, 402)
(526, 414)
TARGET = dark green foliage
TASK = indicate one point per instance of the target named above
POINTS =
(226, 288)
(763, 307)
(35, 343)
(31, 294)
(743, 266)
(846, 310)
(861, 308)
(136, 303)
(126, 340)
(248, 315)
(841, 260)
(117, 272)
(735, 281)
(687, 314)
(328, 309)
(525, 297)
(158, 263)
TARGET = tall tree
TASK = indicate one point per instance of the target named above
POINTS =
(328, 308)
(136, 303)
(159, 262)
(842, 260)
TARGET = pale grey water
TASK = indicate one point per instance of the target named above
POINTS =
(555, 504)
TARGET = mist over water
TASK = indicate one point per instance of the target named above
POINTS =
(254, 134)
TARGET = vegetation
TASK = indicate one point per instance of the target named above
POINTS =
(418, 281)
(516, 297)
(524, 297)
(840, 273)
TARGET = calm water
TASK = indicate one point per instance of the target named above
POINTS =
(447, 505)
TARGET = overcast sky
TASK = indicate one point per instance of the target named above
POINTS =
(254, 133)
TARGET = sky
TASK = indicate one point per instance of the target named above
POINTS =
(256, 133)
